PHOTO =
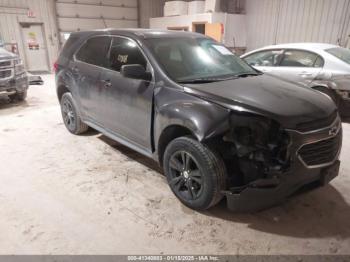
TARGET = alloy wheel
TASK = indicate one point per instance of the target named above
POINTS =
(186, 178)
(68, 114)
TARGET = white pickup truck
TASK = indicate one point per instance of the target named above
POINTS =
(13, 78)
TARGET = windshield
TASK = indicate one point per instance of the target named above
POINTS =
(187, 60)
(341, 53)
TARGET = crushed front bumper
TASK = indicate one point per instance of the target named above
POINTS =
(17, 84)
(300, 174)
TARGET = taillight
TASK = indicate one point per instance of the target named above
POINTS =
(55, 67)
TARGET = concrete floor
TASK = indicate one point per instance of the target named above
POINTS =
(65, 194)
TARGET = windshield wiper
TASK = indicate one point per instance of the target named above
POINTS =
(205, 80)
(197, 81)
(248, 74)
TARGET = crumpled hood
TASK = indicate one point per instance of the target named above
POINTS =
(285, 102)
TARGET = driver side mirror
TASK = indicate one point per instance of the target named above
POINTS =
(135, 72)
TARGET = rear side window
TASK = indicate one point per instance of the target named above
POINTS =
(299, 58)
(95, 51)
(125, 52)
(264, 58)
(340, 53)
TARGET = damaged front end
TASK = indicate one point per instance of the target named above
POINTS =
(256, 153)
(267, 163)
(260, 148)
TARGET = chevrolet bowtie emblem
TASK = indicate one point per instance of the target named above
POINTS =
(333, 130)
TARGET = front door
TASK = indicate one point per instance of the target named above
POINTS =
(265, 61)
(35, 48)
(128, 102)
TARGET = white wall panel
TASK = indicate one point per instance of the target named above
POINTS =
(87, 11)
(74, 24)
(127, 3)
(79, 15)
(283, 21)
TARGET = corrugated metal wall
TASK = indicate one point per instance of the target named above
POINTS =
(14, 12)
(76, 15)
(283, 21)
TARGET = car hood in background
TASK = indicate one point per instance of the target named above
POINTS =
(4, 54)
(285, 102)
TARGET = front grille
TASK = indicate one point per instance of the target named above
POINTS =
(321, 152)
(317, 124)
(5, 74)
(5, 63)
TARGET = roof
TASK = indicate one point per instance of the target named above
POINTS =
(306, 46)
(142, 33)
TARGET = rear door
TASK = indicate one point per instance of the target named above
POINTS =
(299, 66)
(128, 102)
(87, 67)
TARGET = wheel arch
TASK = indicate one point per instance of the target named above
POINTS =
(61, 89)
(320, 85)
(170, 133)
(201, 121)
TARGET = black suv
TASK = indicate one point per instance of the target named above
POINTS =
(216, 126)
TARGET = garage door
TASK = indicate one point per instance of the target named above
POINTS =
(73, 15)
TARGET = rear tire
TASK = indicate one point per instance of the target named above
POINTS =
(195, 173)
(70, 115)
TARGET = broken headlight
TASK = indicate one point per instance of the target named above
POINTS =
(259, 145)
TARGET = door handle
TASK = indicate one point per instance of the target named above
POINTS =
(305, 74)
(107, 83)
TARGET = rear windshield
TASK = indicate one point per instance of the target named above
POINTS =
(341, 53)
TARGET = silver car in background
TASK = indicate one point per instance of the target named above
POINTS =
(324, 67)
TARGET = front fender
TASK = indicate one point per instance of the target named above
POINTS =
(202, 118)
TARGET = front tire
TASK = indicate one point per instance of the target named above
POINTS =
(70, 115)
(195, 173)
(19, 96)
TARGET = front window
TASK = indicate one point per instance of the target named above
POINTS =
(264, 58)
(341, 53)
(94, 51)
(125, 52)
(196, 59)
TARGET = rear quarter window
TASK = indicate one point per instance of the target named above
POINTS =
(68, 49)
(94, 51)
(341, 53)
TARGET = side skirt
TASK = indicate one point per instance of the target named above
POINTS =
(122, 140)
